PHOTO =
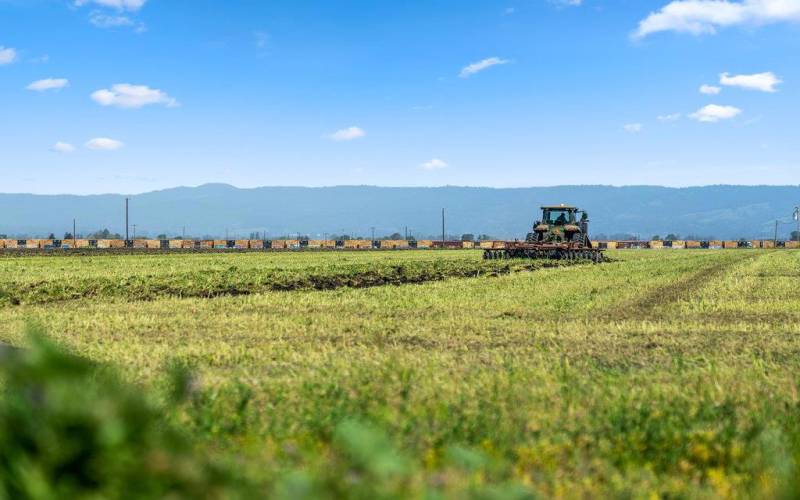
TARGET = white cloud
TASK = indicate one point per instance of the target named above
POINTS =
(709, 89)
(109, 22)
(633, 128)
(669, 118)
(714, 113)
(347, 134)
(62, 147)
(131, 5)
(48, 84)
(104, 144)
(125, 95)
(699, 17)
(434, 164)
(7, 55)
(480, 66)
(765, 82)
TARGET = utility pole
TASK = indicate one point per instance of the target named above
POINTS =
(797, 218)
(126, 219)
(443, 228)
(372, 242)
(775, 240)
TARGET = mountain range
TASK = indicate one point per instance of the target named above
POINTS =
(720, 211)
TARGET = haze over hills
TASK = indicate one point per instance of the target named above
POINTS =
(210, 210)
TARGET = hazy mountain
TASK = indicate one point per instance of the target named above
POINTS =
(720, 211)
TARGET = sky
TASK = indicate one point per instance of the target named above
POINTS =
(128, 96)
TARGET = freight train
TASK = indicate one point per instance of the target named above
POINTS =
(198, 245)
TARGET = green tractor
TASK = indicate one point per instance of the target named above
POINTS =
(562, 233)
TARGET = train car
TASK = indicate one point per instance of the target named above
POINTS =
(103, 244)
(152, 244)
(255, 244)
(693, 244)
(468, 244)
(767, 244)
(715, 244)
(656, 244)
(678, 244)
(206, 244)
(2, 244)
(175, 244)
(358, 244)
(755, 244)
(139, 243)
(241, 244)
(426, 243)
(116, 244)
(730, 244)
(792, 244)
(220, 244)
(394, 244)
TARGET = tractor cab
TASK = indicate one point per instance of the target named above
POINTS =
(560, 223)
(558, 215)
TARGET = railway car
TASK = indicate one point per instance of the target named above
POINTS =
(656, 244)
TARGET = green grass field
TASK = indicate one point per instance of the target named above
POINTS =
(433, 373)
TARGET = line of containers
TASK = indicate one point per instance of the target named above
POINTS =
(360, 244)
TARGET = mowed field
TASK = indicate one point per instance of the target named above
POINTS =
(418, 373)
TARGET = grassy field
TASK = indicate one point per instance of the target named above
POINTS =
(427, 373)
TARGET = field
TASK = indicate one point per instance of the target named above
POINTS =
(433, 373)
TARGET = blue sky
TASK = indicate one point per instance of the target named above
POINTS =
(134, 95)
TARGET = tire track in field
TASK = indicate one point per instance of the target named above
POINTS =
(644, 306)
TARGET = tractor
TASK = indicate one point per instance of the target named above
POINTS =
(560, 234)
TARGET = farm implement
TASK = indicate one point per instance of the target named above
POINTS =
(559, 235)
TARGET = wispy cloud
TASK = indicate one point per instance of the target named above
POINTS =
(48, 84)
(699, 17)
(709, 89)
(7, 55)
(104, 144)
(261, 39)
(765, 82)
(669, 118)
(108, 22)
(713, 113)
(479, 66)
(433, 164)
(633, 128)
(347, 134)
(130, 5)
(125, 95)
(62, 147)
